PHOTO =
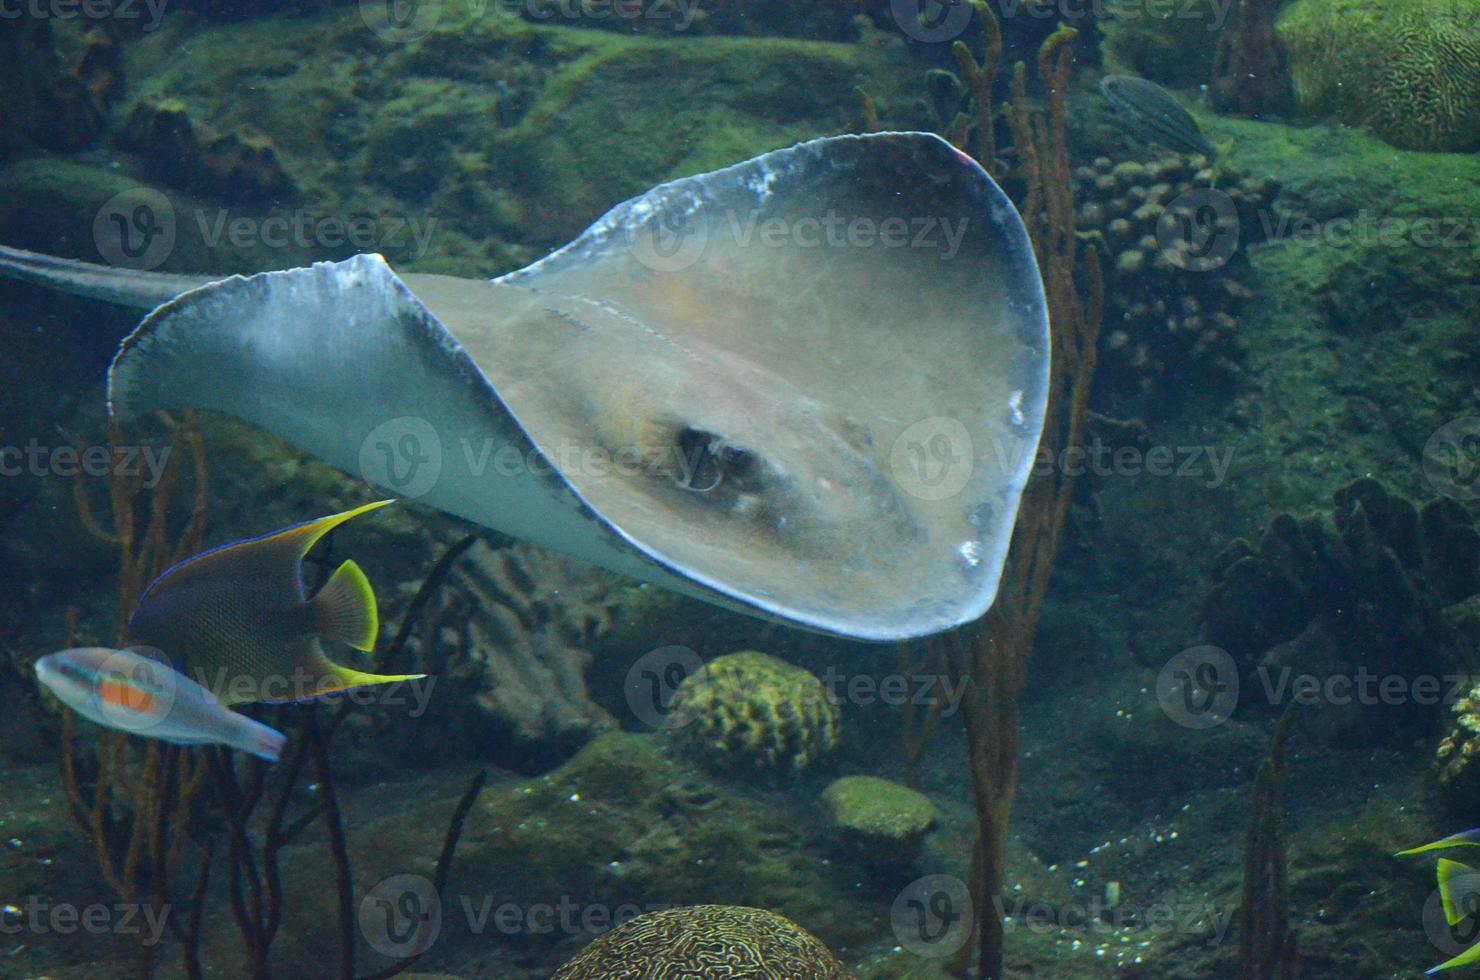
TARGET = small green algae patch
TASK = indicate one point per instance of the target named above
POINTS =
(878, 809)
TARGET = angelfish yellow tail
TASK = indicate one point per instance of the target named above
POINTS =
(331, 678)
(348, 678)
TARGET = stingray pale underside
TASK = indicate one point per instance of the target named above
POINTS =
(809, 386)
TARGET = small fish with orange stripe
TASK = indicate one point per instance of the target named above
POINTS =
(141, 695)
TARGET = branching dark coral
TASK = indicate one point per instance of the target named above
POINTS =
(1362, 591)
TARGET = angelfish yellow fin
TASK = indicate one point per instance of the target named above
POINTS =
(1459, 887)
(304, 536)
(1469, 838)
(345, 608)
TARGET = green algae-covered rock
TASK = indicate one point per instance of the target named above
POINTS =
(749, 710)
(716, 942)
(478, 141)
(1410, 69)
(1155, 42)
(881, 818)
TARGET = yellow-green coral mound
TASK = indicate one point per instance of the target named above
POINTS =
(1410, 69)
(884, 823)
(751, 710)
(878, 809)
(715, 942)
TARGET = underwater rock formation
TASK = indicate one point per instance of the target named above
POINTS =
(836, 21)
(749, 710)
(511, 631)
(881, 822)
(1249, 73)
(710, 941)
(1362, 591)
(1170, 44)
(1174, 288)
(63, 109)
(242, 164)
(1410, 69)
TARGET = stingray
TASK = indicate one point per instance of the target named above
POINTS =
(808, 386)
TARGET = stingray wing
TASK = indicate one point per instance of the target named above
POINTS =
(861, 314)
(840, 365)
(344, 362)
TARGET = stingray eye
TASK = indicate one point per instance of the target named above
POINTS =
(738, 464)
(706, 460)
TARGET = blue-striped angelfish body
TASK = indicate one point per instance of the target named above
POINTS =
(1149, 113)
(141, 695)
(236, 619)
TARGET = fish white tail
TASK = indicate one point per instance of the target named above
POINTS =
(259, 740)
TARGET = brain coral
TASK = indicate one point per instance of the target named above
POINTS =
(1410, 69)
(751, 710)
(715, 942)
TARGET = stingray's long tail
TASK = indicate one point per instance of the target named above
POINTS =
(124, 287)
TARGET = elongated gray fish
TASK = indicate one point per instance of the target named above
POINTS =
(140, 695)
(808, 386)
(1151, 115)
